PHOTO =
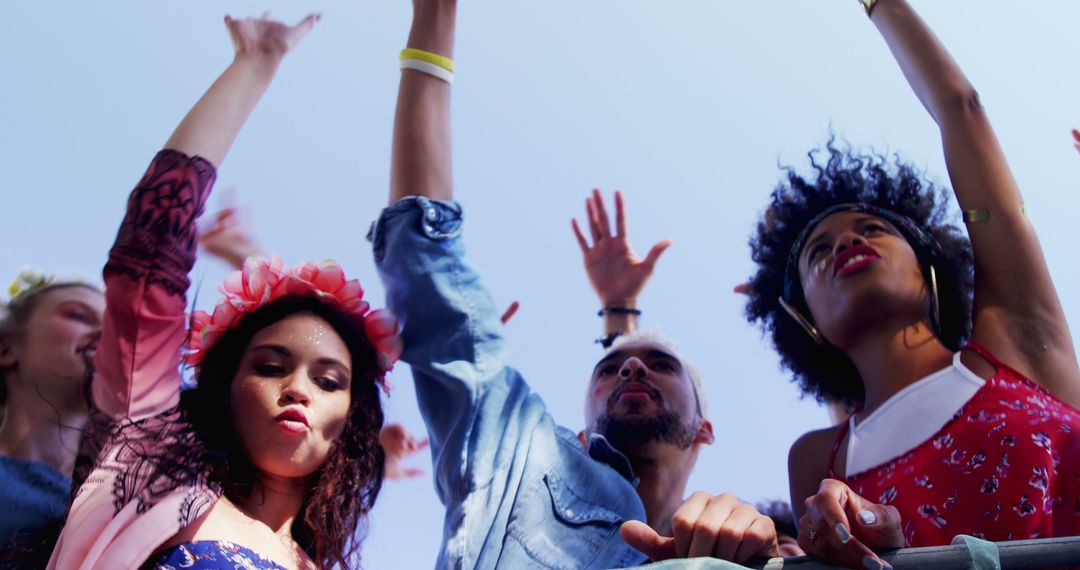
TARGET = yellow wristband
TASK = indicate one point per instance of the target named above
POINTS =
(869, 5)
(432, 58)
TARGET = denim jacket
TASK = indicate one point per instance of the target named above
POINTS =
(519, 491)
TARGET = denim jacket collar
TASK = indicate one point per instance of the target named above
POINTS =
(601, 450)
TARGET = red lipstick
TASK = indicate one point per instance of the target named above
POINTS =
(293, 420)
(854, 259)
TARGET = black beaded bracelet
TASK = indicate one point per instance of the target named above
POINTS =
(618, 311)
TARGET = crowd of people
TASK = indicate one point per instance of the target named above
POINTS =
(956, 397)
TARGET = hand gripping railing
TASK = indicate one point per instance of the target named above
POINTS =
(1014, 555)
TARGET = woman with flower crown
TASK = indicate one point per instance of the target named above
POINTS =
(273, 459)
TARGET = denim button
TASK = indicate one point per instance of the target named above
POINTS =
(429, 229)
(432, 215)
(570, 513)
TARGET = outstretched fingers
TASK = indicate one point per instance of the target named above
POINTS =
(620, 215)
(601, 212)
(301, 29)
(582, 242)
(655, 253)
(594, 222)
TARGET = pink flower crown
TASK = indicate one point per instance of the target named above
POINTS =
(263, 281)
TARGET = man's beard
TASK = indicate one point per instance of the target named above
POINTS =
(629, 432)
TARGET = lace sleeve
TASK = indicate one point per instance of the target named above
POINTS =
(146, 278)
(156, 242)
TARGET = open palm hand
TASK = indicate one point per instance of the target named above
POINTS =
(615, 271)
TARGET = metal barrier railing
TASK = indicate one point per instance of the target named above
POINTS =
(1014, 555)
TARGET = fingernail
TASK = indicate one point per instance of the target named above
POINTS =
(867, 517)
(871, 563)
(842, 532)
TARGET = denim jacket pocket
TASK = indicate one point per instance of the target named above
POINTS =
(559, 528)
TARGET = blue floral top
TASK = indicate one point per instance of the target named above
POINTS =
(210, 555)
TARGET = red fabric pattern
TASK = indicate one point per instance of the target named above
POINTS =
(1005, 467)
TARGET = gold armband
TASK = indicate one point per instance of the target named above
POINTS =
(983, 215)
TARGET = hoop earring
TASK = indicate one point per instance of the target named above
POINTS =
(935, 305)
(805, 324)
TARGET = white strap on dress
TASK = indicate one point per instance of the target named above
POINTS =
(912, 416)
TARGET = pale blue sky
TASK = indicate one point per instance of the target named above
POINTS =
(687, 106)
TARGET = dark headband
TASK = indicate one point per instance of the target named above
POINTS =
(919, 239)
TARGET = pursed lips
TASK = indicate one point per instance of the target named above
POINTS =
(293, 415)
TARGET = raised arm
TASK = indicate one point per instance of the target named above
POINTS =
(1017, 312)
(420, 163)
(615, 271)
(211, 126)
(146, 275)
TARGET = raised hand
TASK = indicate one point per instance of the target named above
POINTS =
(211, 126)
(615, 271)
(398, 445)
(266, 38)
(719, 526)
(228, 238)
(840, 527)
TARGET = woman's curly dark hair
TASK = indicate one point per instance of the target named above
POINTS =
(823, 371)
(344, 490)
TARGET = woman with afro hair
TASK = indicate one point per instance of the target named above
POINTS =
(955, 354)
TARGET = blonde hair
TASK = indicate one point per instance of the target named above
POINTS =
(16, 313)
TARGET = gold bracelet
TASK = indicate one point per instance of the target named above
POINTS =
(976, 216)
(983, 215)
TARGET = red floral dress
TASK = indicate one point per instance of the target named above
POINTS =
(1005, 467)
